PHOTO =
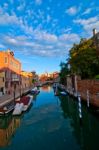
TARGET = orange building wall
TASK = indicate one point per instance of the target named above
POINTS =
(9, 65)
(6, 133)
(12, 69)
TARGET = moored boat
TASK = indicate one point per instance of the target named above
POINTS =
(34, 91)
(63, 93)
(18, 109)
(27, 100)
(7, 108)
(56, 93)
(22, 104)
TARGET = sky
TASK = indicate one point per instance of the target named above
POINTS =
(41, 32)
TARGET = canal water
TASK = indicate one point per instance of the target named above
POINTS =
(51, 123)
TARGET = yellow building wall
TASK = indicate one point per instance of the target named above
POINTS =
(26, 79)
(2, 79)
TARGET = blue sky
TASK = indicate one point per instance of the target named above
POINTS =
(41, 32)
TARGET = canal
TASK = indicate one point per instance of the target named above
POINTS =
(51, 123)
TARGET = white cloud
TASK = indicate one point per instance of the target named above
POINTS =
(69, 38)
(30, 13)
(87, 21)
(72, 10)
(5, 5)
(40, 14)
(88, 24)
(21, 6)
(35, 41)
(47, 45)
(66, 30)
(6, 19)
(87, 11)
(48, 18)
(44, 36)
(12, 41)
(1, 10)
(18, 41)
(38, 2)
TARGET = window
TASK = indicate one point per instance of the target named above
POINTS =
(14, 65)
(6, 84)
(3, 79)
(6, 60)
(11, 63)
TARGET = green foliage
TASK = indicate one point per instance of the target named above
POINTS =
(83, 59)
(63, 72)
(97, 76)
(33, 80)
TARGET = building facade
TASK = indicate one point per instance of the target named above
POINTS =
(10, 70)
(2, 83)
(26, 80)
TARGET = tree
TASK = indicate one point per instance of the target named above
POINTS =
(84, 60)
(63, 72)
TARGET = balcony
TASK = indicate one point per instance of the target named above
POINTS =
(15, 79)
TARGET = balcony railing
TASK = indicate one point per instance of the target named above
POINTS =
(15, 79)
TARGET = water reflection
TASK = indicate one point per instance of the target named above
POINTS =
(86, 135)
(53, 120)
(8, 126)
(46, 88)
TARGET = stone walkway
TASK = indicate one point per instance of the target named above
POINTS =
(8, 98)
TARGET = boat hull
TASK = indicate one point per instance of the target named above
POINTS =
(7, 108)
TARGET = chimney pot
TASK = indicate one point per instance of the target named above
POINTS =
(94, 32)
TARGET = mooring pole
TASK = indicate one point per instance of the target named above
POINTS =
(88, 98)
(79, 108)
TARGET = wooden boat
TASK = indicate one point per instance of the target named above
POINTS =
(6, 108)
(27, 100)
(22, 104)
(63, 93)
(18, 109)
(34, 91)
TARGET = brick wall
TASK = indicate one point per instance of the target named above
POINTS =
(93, 87)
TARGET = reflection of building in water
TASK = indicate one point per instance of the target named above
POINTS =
(17, 122)
(8, 126)
(46, 88)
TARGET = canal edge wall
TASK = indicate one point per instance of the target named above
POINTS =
(75, 85)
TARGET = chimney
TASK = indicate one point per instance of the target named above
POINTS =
(8, 50)
(94, 32)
